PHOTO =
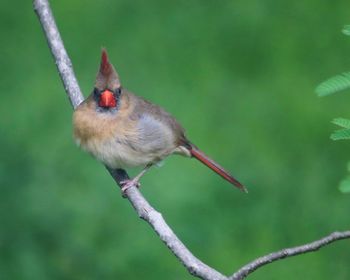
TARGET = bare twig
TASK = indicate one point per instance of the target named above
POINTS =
(288, 252)
(165, 233)
(142, 207)
(63, 63)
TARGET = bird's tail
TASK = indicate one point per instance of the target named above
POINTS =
(199, 155)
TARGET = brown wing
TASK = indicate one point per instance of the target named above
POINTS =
(156, 119)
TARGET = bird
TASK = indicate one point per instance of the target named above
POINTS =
(123, 130)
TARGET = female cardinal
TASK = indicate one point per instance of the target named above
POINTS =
(123, 130)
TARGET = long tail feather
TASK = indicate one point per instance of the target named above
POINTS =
(199, 155)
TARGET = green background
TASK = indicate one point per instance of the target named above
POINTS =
(240, 77)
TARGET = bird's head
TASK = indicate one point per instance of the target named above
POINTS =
(107, 86)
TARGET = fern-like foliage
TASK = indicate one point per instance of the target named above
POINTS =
(344, 185)
(342, 134)
(334, 84)
(346, 30)
(344, 123)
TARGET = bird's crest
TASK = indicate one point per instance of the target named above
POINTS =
(107, 77)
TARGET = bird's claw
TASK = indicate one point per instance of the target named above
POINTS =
(126, 184)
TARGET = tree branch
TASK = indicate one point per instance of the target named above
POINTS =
(140, 204)
(63, 63)
(142, 207)
(289, 252)
(165, 233)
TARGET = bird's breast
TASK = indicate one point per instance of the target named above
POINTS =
(122, 142)
(107, 139)
(116, 153)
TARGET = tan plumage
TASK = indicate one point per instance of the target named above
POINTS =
(123, 130)
(131, 137)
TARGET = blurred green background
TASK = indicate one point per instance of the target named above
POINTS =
(240, 77)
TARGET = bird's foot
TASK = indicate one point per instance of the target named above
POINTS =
(126, 184)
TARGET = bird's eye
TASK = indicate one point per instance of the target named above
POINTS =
(118, 91)
(96, 92)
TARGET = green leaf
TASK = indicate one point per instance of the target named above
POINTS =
(341, 134)
(344, 185)
(334, 84)
(346, 30)
(345, 123)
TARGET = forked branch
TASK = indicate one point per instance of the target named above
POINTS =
(141, 205)
(288, 252)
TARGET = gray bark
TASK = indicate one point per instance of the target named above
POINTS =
(140, 204)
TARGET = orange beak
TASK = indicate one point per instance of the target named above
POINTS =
(107, 99)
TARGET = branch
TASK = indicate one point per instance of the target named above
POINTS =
(63, 63)
(142, 207)
(140, 204)
(288, 252)
(165, 233)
